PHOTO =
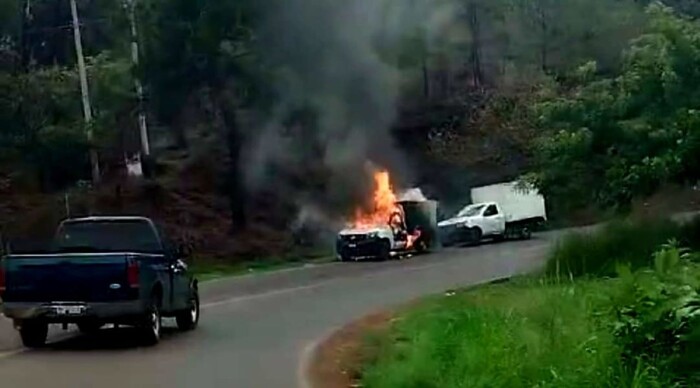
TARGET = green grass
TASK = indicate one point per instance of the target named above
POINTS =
(209, 270)
(580, 325)
(630, 242)
(513, 335)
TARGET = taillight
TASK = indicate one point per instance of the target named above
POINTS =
(132, 274)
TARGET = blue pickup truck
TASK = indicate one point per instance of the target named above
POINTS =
(100, 270)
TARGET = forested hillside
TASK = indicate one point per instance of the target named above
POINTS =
(263, 115)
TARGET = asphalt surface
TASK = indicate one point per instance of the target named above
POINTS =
(257, 331)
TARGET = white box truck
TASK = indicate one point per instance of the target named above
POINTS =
(501, 211)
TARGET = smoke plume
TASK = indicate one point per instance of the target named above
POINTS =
(336, 98)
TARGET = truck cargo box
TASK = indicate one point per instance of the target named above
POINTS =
(517, 201)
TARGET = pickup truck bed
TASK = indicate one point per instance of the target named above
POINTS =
(48, 278)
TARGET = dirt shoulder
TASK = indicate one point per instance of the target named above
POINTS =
(338, 360)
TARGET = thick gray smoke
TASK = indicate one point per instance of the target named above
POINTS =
(336, 100)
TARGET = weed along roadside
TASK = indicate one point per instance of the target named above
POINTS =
(607, 318)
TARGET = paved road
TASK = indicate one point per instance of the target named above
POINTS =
(255, 331)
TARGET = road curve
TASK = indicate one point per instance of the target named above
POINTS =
(256, 330)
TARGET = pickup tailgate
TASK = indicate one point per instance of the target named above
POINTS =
(66, 278)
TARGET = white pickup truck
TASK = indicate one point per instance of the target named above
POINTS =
(499, 211)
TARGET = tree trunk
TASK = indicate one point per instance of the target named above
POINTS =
(544, 44)
(25, 43)
(475, 57)
(234, 145)
(426, 78)
(180, 137)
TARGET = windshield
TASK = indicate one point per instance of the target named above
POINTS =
(107, 236)
(471, 211)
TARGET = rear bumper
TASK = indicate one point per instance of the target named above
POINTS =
(366, 249)
(93, 311)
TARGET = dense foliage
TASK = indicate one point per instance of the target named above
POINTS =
(467, 76)
(658, 314)
(610, 139)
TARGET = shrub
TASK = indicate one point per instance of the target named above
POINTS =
(690, 234)
(658, 315)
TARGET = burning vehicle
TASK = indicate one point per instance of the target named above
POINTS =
(394, 226)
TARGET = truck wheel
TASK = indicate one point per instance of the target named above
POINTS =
(475, 235)
(511, 233)
(450, 240)
(151, 325)
(34, 333)
(188, 319)
(89, 327)
(525, 233)
(385, 251)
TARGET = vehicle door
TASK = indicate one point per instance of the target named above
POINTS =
(494, 221)
(181, 281)
(178, 274)
(397, 225)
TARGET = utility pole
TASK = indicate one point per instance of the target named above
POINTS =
(25, 44)
(143, 126)
(87, 109)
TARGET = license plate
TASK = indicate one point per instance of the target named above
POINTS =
(353, 245)
(69, 310)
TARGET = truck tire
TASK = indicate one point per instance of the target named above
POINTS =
(511, 233)
(526, 233)
(187, 320)
(151, 325)
(475, 235)
(385, 250)
(34, 333)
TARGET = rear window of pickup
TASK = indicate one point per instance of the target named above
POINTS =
(107, 236)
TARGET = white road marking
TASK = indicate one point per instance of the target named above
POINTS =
(270, 273)
(308, 351)
(260, 296)
(307, 354)
(283, 291)
(11, 353)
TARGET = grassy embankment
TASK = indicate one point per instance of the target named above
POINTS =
(615, 308)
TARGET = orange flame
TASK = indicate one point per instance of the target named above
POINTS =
(383, 206)
(384, 210)
(412, 238)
